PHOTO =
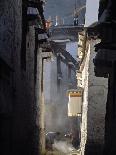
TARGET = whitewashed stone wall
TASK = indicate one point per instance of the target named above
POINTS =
(97, 94)
(84, 85)
(94, 107)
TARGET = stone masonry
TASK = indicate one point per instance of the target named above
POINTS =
(94, 104)
(18, 127)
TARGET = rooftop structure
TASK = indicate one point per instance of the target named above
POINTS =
(63, 11)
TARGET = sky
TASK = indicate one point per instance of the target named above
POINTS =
(91, 14)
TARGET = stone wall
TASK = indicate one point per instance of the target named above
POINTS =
(84, 85)
(10, 38)
(94, 108)
(18, 128)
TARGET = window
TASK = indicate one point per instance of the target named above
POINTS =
(59, 73)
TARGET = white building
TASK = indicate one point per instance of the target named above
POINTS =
(59, 76)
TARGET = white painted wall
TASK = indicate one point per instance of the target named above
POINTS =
(47, 79)
(72, 48)
(85, 75)
(94, 103)
(97, 97)
(56, 102)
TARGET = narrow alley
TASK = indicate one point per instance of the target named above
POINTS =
(57, 77)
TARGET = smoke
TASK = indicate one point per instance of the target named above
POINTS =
(56, 118)
(56, 101)
(63, 146)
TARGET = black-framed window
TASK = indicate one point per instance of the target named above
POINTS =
(59, 72)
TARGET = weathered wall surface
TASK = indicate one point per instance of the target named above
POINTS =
(84, 85)
(10, 45)
(97, 96)
(17, 125)
(94, 107)
(24, 108)
(8, 17)
(56, 101)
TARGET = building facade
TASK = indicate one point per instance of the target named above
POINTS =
(60, 75)
(19, 24)
(94, 99)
